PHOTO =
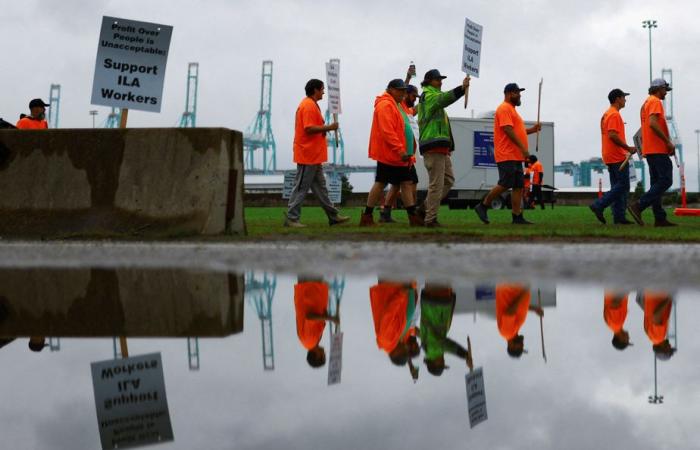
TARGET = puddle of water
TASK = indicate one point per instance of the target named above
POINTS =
(260, 361)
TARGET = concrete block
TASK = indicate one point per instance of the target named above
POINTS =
(155, 182)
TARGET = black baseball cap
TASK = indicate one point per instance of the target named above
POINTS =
(617, 93)
(512, 87)
(38, 102)
(396, 83)
(433, 74)
(411, 88)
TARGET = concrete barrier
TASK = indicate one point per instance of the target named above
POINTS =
(156, 182)
(119, 302)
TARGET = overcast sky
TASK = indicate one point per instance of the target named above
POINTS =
(581, 49)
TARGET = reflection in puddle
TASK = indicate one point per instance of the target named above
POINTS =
(351, 356)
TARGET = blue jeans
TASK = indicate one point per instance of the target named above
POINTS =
(661, 174)
(617, 195)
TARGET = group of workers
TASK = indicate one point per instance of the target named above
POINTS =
(406, 323)
(405, 123)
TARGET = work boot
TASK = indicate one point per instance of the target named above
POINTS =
(385, 216)
(520, 220)
(337, 220)
(598, 214)
(289, 223)
(664, 223)
(415, 220)
(366, 220)
(636, 213)
(480, 211)
(420, 210)
(433, 224)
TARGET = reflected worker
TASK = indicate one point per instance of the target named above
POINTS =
(393, 309)
(36, 120)
(615, 314)
(437, 309)
(657, 312)
(311, 306)
(512, 306)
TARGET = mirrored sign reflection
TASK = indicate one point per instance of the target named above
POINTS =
(262, 360)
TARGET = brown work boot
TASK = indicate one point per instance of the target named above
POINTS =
(415, 220)
(664, 223)
(366, 220)
(433, 224)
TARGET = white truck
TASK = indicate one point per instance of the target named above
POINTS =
(474, 165)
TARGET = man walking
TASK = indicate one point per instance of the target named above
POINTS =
(310, 152)
(409, 108)
(537, 179)
(510, 150)
(436, 141)
(615, 153)
(391, 144)
(36, 120)
(657, 148)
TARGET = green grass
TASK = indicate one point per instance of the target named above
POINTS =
(565, 223)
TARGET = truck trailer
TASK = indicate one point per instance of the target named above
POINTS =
(474, 165)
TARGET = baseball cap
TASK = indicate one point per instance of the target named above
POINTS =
(433, 74)
(617, 93)
(396, 83)
(660, 82)
(512, 87)
(411, 89)
(38, 102)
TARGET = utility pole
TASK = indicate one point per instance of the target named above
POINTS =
(697, 134)
(649, 23)
(93, 113)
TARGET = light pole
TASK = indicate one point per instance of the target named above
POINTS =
(93, 113)
(697, 134)
(649, 24)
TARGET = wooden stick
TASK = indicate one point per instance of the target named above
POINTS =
(335, 119)
(466, 94)
(124, 115)
(470, 360)
(539, 102)
(625, 162)
(539, 305)
(124, 348)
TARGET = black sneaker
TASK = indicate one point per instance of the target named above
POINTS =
(664, 223)
(520, 220)
(598, 213)
(480, 211)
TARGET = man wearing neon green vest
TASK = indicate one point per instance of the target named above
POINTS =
(436, 141)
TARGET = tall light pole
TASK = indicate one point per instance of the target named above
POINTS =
(93, 113)
(697, 134)
(649, 24)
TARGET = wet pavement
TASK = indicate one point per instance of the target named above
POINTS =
(229, 347)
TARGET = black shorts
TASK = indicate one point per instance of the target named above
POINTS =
(413, 173)
(510, 174)
(392, 174)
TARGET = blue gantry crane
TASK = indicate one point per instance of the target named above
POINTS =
(55, 104)
(189, 117)
(258, 136)
(260, 290)
(113, 118)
